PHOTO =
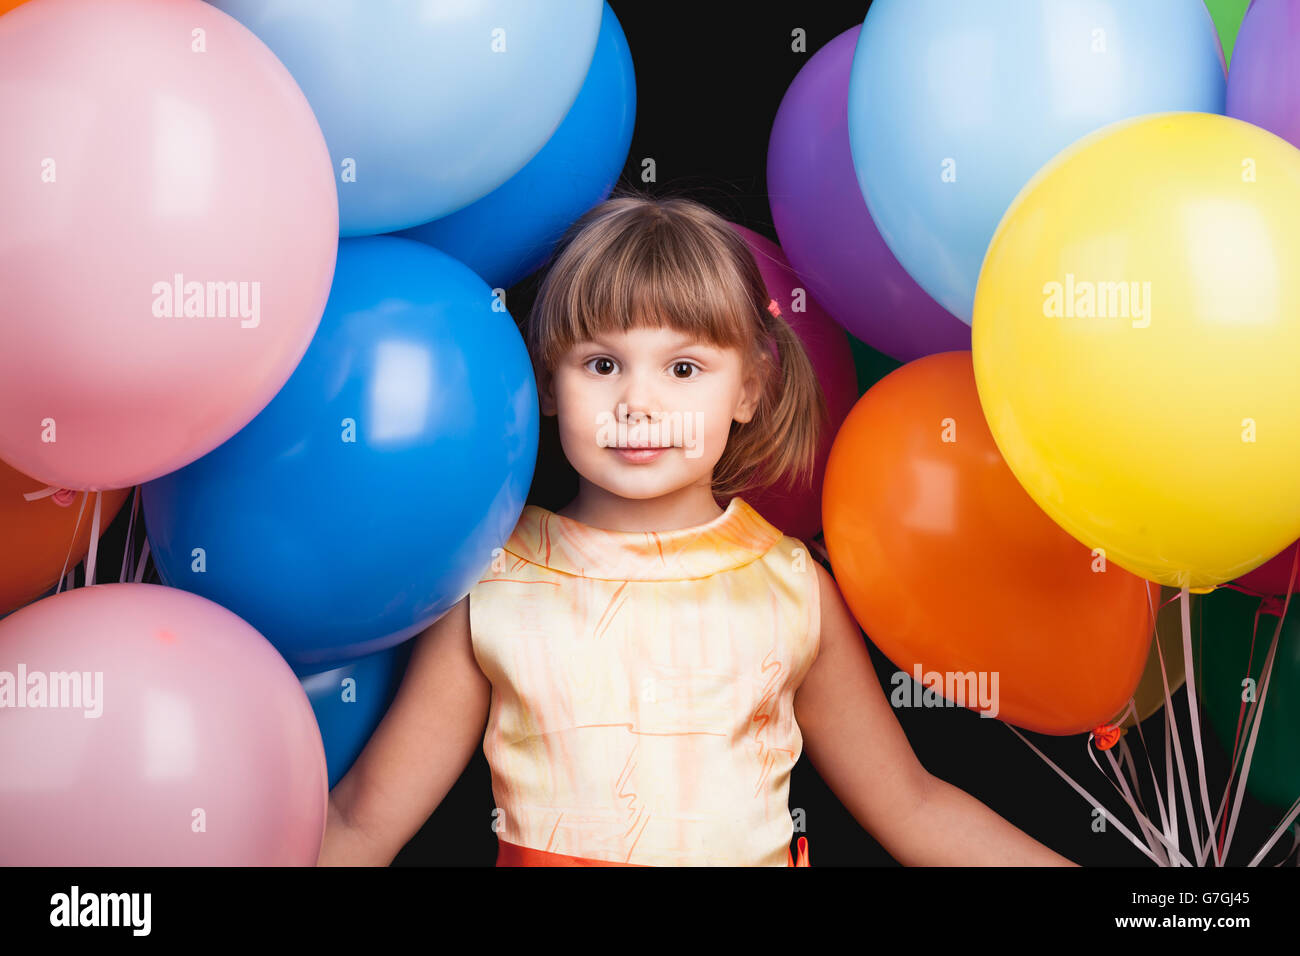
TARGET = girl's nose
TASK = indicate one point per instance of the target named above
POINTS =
(639, 395)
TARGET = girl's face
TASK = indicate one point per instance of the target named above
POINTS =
(656, 389)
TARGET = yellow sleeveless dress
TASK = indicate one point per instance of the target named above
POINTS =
(643, 687)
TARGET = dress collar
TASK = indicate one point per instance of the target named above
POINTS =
(734, 538)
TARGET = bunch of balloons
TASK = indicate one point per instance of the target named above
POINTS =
(1110, 213)
(254, 260)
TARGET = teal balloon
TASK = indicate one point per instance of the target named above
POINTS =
(1224, 660)
(508, 233)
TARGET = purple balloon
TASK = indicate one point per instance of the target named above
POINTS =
(1264, 82)
(827, 231)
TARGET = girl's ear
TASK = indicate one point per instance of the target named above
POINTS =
(546, 394)
(751, 392)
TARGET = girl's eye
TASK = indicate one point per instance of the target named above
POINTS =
(604, 366)
(683, 365)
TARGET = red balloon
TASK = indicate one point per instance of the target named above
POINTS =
(1274, 575)
(798, 511)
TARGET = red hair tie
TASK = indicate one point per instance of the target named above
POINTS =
(774, 308)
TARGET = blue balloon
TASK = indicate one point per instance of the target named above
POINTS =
(367, 497)
(350, 701)
(509, 232)
(427, 105)
(955, 104)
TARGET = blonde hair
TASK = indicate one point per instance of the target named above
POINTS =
(634, 261)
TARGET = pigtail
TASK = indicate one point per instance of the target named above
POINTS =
(778, 446)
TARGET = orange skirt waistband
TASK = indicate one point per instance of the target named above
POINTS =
(511, 854)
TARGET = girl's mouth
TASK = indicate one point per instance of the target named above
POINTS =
(639, 456)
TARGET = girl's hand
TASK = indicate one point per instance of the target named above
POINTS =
(418, 751)
(854, 740)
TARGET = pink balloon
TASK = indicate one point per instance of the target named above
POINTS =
(150, 146)
(799, 513)
(204, 750)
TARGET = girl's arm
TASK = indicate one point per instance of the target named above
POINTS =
(853, 739)
(417, 752)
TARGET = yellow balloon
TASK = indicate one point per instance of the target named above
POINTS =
(1136, 341)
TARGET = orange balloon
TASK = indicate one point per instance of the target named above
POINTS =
(950, 566)
(37, 534)
(6, 6)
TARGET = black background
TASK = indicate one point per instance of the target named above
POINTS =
(710, 77)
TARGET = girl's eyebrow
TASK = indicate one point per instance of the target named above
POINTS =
(681, 343)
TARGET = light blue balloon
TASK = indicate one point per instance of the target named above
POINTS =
(509, 233)
(432, 103)
(955, 104)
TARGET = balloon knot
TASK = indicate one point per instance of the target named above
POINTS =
(1272, 605)
(64, 497)
(1106, 736)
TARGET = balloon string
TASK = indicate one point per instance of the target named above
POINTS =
(1174, 747)
(1168, 835)
(144, 560)
(1087, 796)
(62, 496)
(1241, 716)
(94, 542)
(1257, 707)
(1171, 724)
(1282, 827)
(1169, 821)
(1295, 842)
(1170, 832)
(1254, 713)
(1194, 714)
(1163, 604)
(1253, 721)
(1127, 754)
(128, 553)
(71, 545)
(1151, 836)
(1148, 831)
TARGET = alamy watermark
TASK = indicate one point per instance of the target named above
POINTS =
(56, 689)
(129, 910)
(208, 300)
(652, 430)
(1084, 299)
(977, 690)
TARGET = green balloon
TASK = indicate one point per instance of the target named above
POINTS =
(1224, 660)
(870, 365)
(1227, 16)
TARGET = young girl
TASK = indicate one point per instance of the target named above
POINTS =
(648, 663)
